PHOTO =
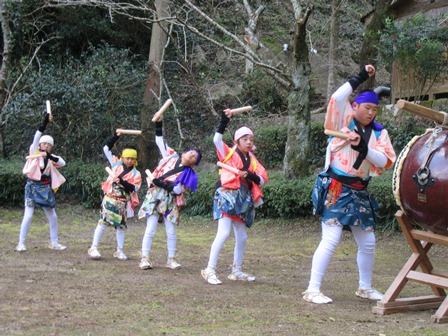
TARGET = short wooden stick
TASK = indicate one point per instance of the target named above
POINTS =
(337, 134)
(227, 167)
(160, 112)
(241, 110)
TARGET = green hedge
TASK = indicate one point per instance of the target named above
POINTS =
(286, 198)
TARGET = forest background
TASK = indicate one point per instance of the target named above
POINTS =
(105, 65)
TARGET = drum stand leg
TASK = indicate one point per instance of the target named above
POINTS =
(420, 243)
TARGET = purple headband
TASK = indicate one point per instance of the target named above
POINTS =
(367, 97)
(199, 155)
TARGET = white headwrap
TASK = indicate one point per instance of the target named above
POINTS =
(241, 132)
(47, 139)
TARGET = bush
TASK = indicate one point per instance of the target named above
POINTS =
(12, 182)
(283, 198)
(84, 183)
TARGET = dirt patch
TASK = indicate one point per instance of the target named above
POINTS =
(46, 292)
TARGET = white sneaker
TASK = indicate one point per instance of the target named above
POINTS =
(94, 254)
(58, 247)
(241, 276)
(210, 275)
(172, 263)
(316, 297)
(120, 255)
(370, 294)
(145, 263)
(21, 247)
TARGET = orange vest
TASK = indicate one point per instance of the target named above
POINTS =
(231, 180)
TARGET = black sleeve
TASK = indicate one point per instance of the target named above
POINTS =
(253, 177)
(159, 128)
(52, 157)
(161, 184)
(223, 123)
(360, 78)
(129, 187)
(44, 123)
(112, 140)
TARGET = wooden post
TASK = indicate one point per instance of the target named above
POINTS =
(420, 243)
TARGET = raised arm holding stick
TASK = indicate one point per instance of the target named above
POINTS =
(238, 193)
(43, 180)
(359, 149)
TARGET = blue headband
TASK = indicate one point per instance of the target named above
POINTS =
(367, 97)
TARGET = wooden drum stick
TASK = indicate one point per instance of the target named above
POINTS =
(132, 132)
(149, 174)
(34, 156)
(110, 172)
(421, 111)
(48, 107)
(241, 109)
(336, 134)
(160, 112)
(227, 167)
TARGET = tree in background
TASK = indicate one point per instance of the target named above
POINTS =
(418, 48)
(369, 49)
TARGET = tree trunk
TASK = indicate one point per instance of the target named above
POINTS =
(148, 152)
(295, 163)
(4, 71)
(334, 43)
(369, 51)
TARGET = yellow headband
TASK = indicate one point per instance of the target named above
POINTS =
(129, 153)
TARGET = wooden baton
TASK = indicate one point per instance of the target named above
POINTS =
(149, 174)
(421, 111)
(336, 134)
(34, 156)
(48, 107)
(110, 172)
(241, 110)
(160, 112)
(132, 132)
(227, 167)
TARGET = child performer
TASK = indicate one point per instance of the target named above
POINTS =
(120, 197)
(43, 179)
(351, 164)
(236, 198)
(166, 195)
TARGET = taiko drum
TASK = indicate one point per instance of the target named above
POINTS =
(420, 180)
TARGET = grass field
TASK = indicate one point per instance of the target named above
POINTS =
(46, 292)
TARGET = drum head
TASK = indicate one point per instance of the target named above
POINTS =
(421, 189)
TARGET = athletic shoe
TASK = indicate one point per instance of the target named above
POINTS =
(21, 247)
(210, 275)
(241, 276)
(316, 297)
(370, 294)
(58, 247)
(120, 255)
(94, 254)
(145, 263)
(172, 263)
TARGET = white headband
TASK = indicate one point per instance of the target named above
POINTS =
(47, 139)
(242, 131)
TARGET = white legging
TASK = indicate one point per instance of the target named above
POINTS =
(119, 233)
(26, 223)
(223, 233)
(331, 236)
(150, 232)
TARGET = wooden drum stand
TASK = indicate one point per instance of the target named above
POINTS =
(420, 243)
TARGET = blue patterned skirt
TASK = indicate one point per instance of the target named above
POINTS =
(234, 202)
(39, 194)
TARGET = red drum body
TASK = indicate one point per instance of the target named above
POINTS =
(420, 180)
